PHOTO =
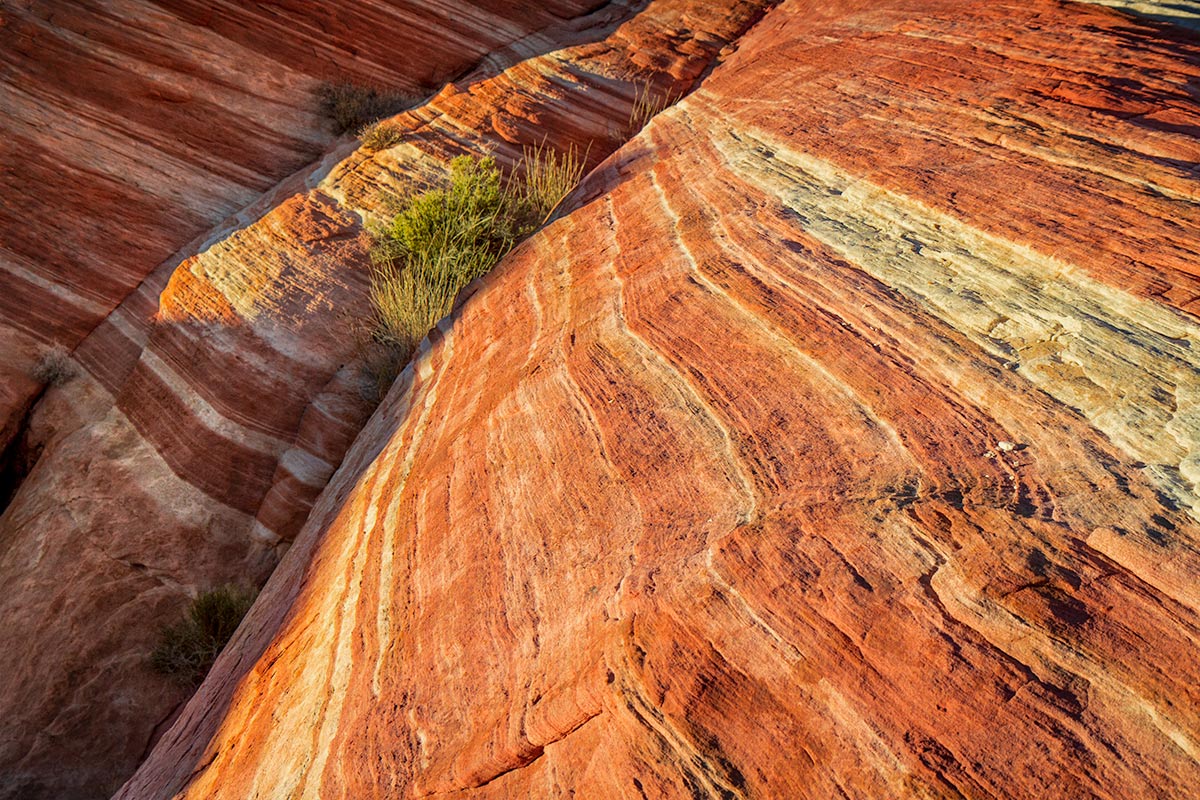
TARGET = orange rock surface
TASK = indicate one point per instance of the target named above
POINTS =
(840, 442)
(216, 400)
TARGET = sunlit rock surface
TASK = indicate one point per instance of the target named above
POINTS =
(1185, 13)
(215, 401)
(841, 442)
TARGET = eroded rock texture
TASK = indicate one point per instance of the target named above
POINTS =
(840, 443)
(217, 399)
(128, 127)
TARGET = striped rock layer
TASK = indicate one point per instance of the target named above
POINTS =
(217, 399)
(128, 127)
(841, 442)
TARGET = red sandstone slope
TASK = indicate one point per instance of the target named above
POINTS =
(129, 127)
(218, 397)
(842, 442)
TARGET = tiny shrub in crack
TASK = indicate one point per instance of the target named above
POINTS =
(187, 649)
(350, 107)
(53, 366)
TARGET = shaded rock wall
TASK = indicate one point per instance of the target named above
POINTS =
(219, 396)
(840, 442)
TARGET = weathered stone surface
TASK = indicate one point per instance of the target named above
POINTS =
(128, 127)
(841, 442)
(220, 395)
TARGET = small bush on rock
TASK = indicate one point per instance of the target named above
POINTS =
(187, 649)
(54, 366)
(350, 107)
(438, 242)
(441, 240)
(380, 135)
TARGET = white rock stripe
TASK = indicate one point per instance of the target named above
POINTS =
(55, 289)
(1129, 365)
(208, 416)
(1183, 13)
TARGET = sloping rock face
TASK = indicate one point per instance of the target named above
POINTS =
(128, 127)
(214, 403)
(840, 443)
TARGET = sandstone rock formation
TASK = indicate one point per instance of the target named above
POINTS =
(216, 399)
(841, 442)
(128, 127)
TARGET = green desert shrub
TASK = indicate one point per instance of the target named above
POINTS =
(350, 107)
(437, 243)
(442, 239)
(187, 649)
(53, 366)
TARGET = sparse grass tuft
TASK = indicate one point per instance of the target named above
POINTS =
(550, 176)
(54, 366)
(647, 104)
(350, 107)
(187, 649)
(380, 135)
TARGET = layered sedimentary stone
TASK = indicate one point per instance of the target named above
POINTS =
(217, 399)
(1183, 14)
(838, 443)
(128, 127)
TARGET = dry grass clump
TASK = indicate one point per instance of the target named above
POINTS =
(648, 103)
(437, 243)
(54, 366)
(549, 176)
(186, 650)
(351, 107)
(381, 135)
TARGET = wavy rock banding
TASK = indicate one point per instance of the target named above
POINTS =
(127, 128)
(217, 399)
(839, 443)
